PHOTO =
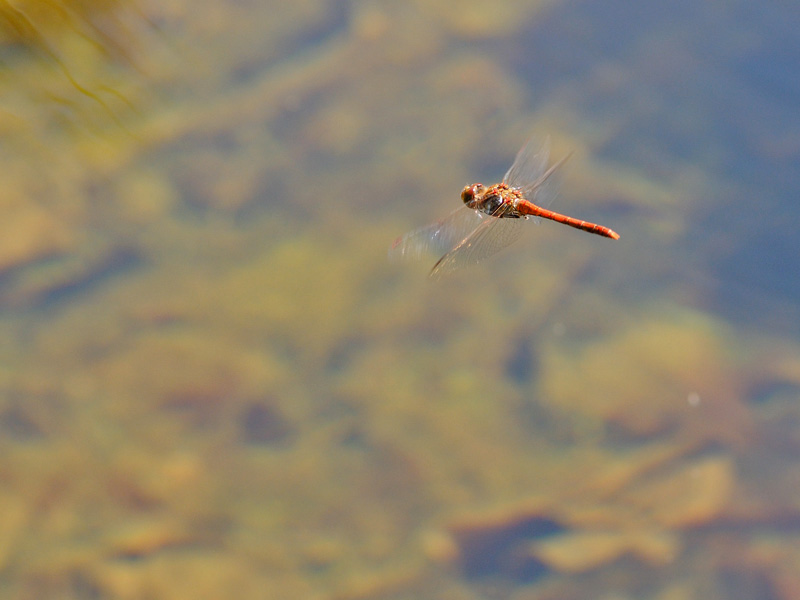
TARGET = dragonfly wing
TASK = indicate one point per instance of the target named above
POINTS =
(439, 237)
(531, 175)
(492, 235)
(544, 190)
(529, 165)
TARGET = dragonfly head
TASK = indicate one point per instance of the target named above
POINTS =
(473, 194)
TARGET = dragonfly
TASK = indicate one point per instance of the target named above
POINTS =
(492, 215)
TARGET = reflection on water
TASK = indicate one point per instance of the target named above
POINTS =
(213, 381)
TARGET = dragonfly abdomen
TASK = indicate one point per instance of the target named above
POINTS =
(528, 208)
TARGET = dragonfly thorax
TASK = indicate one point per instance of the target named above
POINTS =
(491, 203)
(490, 200)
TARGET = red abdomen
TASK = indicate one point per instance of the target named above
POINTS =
(528, 208)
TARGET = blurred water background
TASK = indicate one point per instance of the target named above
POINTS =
(214, 385)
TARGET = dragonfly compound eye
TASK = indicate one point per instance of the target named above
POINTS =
(472, 194)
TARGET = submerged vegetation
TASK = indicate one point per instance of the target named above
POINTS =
(85, 43)
(213, 381)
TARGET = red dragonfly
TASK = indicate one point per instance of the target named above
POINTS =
(491, 217)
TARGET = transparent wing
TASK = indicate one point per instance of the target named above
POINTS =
(532, 177)
(530, 163)
(439, 237)
(492, 235)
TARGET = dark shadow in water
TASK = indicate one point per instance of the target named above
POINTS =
(71, 278)
(121, 261)
(747, 584)
(522, 366)
(500, 550)
(262, 423)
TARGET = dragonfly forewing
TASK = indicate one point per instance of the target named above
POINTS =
(531, 176)
(529, 164)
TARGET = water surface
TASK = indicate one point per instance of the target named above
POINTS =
(215, 384)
